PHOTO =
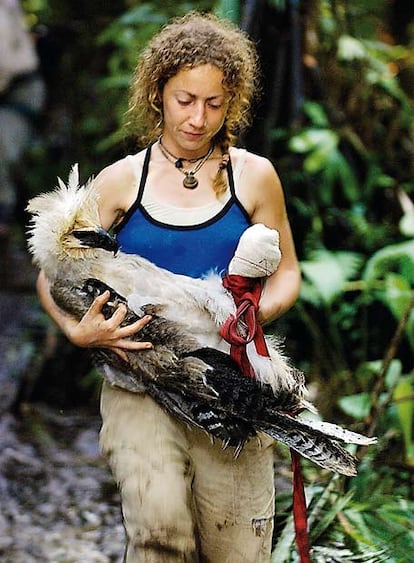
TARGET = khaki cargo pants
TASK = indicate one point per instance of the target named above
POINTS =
(185, 499)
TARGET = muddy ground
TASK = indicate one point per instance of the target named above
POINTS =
(58, 502)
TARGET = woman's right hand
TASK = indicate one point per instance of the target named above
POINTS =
(95, 331)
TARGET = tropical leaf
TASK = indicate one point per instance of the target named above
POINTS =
(328, 271)
(357, 406)
(316, 113)
(331, 554)
(407, 224)
(394, 257)
(338, 528)
(380, 528)
(350, 48)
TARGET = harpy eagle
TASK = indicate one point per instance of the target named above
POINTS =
(186, 372)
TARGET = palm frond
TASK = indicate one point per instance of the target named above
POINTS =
(347, 530)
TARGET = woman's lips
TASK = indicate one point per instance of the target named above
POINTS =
(192, 135)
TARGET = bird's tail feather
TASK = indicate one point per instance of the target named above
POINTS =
(316, 447)
(337, 432)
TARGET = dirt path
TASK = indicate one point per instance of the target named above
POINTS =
(58, 502)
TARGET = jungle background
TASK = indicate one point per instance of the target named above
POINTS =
(336, 118)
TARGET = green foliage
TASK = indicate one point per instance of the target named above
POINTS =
(339, 528)
(395, 401)
(394, 267)
(364, 524)
(384, 518)
(324, 158)
(349, 175)
(126, 36)
(397, 258)
(403, 399)
(326, 273)
(357, 406)
(229, 9)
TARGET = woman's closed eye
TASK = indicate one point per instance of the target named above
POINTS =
(184, 102)
(215, 105)
(211, 104)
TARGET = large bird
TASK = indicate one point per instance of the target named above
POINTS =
(67, 242)
(186, 372)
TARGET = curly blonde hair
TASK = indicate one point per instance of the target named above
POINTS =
(189, 41)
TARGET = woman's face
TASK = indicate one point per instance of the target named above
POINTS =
(195, 105)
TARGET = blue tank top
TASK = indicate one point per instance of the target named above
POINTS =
(193, 250)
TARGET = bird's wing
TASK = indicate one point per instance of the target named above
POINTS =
(121, 378)
(202, 411)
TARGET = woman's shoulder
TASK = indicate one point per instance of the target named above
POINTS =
(259, 184)
(255, 168)
(252, 161)
(116, 184)
(120, 171)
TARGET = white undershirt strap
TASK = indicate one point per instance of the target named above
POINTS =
(136, 168)
(238, 164)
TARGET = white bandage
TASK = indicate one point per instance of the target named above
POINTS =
(257, 254)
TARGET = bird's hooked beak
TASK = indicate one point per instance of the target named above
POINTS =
(97, 238)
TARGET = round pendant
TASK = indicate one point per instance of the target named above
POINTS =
(190, 182)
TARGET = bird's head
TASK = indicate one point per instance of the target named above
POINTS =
(65, 224)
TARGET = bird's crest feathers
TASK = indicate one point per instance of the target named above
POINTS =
(56, 214)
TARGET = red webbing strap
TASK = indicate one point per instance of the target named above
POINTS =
(239, 330)
(299, 510)
(242, 328)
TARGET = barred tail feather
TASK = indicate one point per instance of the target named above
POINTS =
(316, 447)
(338, 433)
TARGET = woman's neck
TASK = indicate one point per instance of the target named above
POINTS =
(187, 151)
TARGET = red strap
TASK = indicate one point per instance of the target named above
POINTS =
(299, 510)
(242, 328)
(239, 330)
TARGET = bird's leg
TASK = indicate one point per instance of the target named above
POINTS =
(95, 287)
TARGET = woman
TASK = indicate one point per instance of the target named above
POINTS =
(183, 203)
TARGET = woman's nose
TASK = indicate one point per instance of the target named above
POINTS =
(198, 116)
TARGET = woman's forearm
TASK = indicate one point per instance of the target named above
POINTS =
(63, 320)
(279, 294)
